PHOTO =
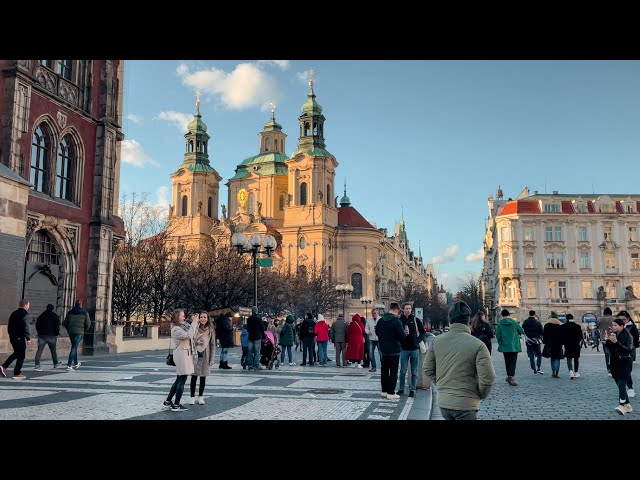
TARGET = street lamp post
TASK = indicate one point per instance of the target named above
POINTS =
(366, 301)
(343, 288)
(252, 245)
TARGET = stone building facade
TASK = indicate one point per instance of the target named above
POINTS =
(567, 253)
(60, 131)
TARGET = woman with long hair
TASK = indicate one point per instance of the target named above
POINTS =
(184, 347)
(206, 350)
(481, 329)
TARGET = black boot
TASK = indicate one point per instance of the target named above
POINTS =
(221, 364)
(226, 366)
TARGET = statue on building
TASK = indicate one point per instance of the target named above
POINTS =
(171, 210)
(259, 210)
(628, 294)
(224, 211)
(289, 199)
(200, 207)
(601, 293)
(320, 196)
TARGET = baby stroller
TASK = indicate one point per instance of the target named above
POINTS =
(269, 351)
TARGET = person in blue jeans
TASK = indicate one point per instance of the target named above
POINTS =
(244, 342)
(414, 333)
(77, 322)
(287, 334)
(370, 329)
(255, 327)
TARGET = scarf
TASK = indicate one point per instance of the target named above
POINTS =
(186, 327)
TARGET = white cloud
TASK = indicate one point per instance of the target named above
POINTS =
(303, 76)
(134, 154)
(475, 256)
(177, 119)
(134, 118)
(162, 200)
(447, 256)
(246, 86)
(449, 281)
(282, 64)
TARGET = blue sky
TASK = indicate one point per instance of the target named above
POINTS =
(432, 138)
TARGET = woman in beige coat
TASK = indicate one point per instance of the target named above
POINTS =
(206, 350)
(184, 347)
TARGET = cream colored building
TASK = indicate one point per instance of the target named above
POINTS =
(294, 199)
(568, 253)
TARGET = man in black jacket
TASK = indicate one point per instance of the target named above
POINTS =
(48, 328)
(633, 330)
(390, 335)
(413, 334)
(18, 330)
(255, 329)
(620, 345)
(533, 339)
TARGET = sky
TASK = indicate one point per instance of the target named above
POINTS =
(430, 140)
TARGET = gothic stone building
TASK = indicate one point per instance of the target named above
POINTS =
(60, 134)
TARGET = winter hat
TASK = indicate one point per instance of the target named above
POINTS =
(553, 314)
(290, 319)
(356, 317)
(459, 312)
(617, 321)
(320, 317)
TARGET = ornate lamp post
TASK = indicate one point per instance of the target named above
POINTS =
(343, 288)
(252, 245)
(366, 301)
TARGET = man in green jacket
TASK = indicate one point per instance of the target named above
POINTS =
(460, 365)
(76, 322)
(508, 333)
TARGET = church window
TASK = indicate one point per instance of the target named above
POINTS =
(315, 129)
(65, 169)
(252, 203)
(267, 144)
(190, 146)
(303, 193)
(356, 281)
(209, 206)
(328, 194)
(306, 129)
(42, 249)
(40, 156)
(184, 205)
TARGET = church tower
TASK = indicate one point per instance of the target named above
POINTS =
(195, 186)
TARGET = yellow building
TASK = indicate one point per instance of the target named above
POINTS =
(294, 199)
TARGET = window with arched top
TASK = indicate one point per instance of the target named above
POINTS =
(185, 203)
(198, 146)
(328, 194)
(281, 203)
(267, 144)
(65, 169)
(356, 281)
(42, 249)
(306, 129)
(209, 206)
(303, 193)
(282, 146)
(190, 146)
(40, 158)
(315, 129)
(252, 203)
(204, 147)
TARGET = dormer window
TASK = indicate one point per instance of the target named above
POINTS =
(551, 208)
(580, 207)
(606, 208)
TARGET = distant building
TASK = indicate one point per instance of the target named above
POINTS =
(567, 253)
(60, 134)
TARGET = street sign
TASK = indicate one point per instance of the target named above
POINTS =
(419, 314)
(265, 262)
(244, 311)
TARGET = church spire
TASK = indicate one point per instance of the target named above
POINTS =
(344, 201)
(196, 139)
(272, 137)
(311, 120)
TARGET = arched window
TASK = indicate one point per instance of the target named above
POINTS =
(282, 146)
(328, 194)
(303, 193)
(42, 249)
(267, 144)
(40, 158)
(64, 69)
(282, 200)
(315, 129)
(184, 205)
(209, 206)
(190, 146)
(306, 129)
(252, 203)
(204, 147)
(356, 281)
(198, 146)
(65, 169)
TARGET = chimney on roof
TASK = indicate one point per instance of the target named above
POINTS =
(555, 192)
(535, 192)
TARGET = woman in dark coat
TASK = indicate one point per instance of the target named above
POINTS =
(553, 340)
(286, 339)
(224, 333)
(572, 334)
(481, 329)
(355, 341)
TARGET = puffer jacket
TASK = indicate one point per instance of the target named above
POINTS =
(77, 321)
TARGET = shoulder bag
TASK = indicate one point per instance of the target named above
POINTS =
(423, 344)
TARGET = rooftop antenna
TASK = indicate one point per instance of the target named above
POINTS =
(593, 190)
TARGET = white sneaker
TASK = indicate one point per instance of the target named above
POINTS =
(359, 366)
(37, 369)
(383, 394)
(577, 375)
(77, 365)
(631, 393)
(192, 401)
(393, 397)
(572, 375)
(628, 408)
(292, 364)
(69, 369)
(200, 400)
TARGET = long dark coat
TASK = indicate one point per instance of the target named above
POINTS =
(572, 338)
(553, 338)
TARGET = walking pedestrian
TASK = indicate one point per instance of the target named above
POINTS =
(355, 342)
(460, 365)
(533, 339)
(18, 330)
(553, 343)
(571, 339)
(307, 336)
(635, 343)
(77, 322)
(481, 329)
(390, 334)
(508, 335)
(620, 345)
(184, 347)
(205, 337)
(244, 343)
(321, 330)
(605, 322)
(256, 329)
(370, 330)
(48, 328)
(338, 335)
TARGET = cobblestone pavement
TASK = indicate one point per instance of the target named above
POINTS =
(537, 397)
(134, 385)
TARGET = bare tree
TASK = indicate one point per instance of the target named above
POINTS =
(470, 292)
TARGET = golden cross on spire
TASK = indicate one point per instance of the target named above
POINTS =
(311, 72)
(198, 99)
(273, 107)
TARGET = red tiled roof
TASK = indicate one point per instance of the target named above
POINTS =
(619, 207)
(350, 217)
(590, 207)
(520, 206)
(567, 207)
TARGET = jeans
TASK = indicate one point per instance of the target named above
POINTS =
(607, 356)
(449, 414)
(50, 340)
(555, 364)
(286, 348)
(19, 350)
(73, 354)
(534, 351)
(307, 346)
(405, 356)
(373, 344)
(389, 373)
(223, 354)
(510, 361)
(322, 352)
(570, 363)
(621, 374)
(177, 388)
(253, 348)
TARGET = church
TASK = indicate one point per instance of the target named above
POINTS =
(294, 199)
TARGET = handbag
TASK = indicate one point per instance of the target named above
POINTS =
(170, 361)
(423, 344)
